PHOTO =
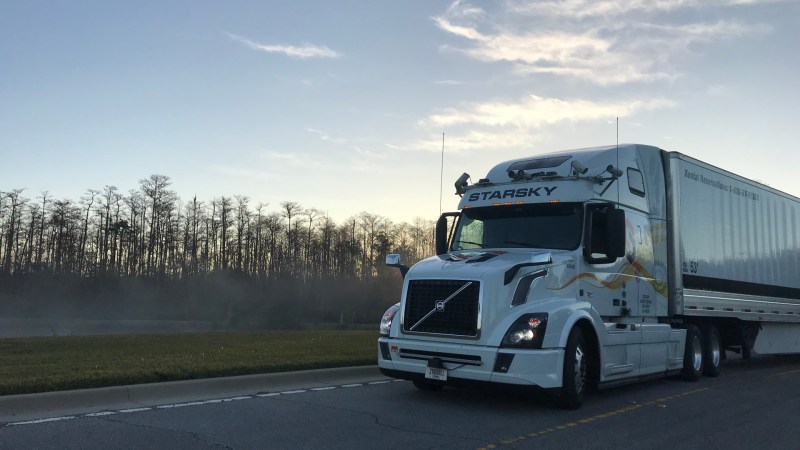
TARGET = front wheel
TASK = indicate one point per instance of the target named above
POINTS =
(576, 371)
(693, 354)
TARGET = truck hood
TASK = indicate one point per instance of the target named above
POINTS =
(485, 264)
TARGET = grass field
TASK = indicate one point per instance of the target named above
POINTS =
(58, 363)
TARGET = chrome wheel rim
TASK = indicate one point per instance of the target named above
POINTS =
(580, 369)
(697, 353)
(716, 353)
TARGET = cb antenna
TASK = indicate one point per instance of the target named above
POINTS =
(618, 156)
(441, 177)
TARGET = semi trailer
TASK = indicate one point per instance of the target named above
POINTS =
(595, 267)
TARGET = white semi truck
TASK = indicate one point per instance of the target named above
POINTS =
(597, 267)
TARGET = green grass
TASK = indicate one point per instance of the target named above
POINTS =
(58, 363)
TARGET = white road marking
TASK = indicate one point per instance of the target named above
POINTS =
(197, 403)
(34, 422)
(234, 399)
(133, 410)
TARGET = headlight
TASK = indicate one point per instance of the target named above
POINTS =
(526, 332)
(386, 320)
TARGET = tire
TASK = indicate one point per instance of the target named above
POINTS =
(693, 354)
(425, 385)
(575, 381)
(712, 350)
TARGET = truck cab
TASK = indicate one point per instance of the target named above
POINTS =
(551, 274)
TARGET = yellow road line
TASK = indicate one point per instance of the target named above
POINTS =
(657, 402)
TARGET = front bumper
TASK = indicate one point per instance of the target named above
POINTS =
(407, 359)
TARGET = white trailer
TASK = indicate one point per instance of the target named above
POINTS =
(595, 267)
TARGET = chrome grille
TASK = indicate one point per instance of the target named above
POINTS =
(458, 317)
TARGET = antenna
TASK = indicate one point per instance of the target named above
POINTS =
(441, 177)
(618, 157)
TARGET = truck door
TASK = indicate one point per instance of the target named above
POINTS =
(604, 246)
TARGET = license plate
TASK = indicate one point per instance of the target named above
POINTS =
(435, 373)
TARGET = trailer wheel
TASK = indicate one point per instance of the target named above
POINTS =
(575, 381)
(712, 350)
(693, 354)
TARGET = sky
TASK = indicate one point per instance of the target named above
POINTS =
(378, 106)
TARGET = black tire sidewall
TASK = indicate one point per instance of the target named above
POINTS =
(688, 372)
(709, 333)
(570, 397)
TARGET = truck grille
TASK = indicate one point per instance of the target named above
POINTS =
(458, 317)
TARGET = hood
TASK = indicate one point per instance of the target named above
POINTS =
(484, 263)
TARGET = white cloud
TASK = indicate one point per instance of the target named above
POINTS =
(449, 82)
(498, 125)
(579, 39)
(536, 112)
(462, 9)
(325, 136)
(581, 9)
(303, 52)
(469, 140)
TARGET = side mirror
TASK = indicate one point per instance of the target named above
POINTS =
(605, 235)
(616, 234)
(443, 232)
(393, 260)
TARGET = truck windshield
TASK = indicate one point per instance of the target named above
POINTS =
(549, 226)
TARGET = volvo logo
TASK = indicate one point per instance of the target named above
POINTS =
(439, 306)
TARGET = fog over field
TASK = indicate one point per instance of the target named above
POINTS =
(218, 264)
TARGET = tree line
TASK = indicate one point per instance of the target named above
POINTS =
(220, 259)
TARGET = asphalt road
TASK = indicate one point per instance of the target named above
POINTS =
(753, 404)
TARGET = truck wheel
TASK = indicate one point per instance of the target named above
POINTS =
(693, 354)
(712, 350)
(425, 385)
(576, 371)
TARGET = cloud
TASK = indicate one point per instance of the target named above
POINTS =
(499, 125)
(582, 9)
(326, 137)
(449, 82)
(536, 112)
(303, 52)
(588, 40)
(473, 140)
(282, 156)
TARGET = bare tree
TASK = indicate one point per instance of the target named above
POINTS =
(14, 211)
(290, 209)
